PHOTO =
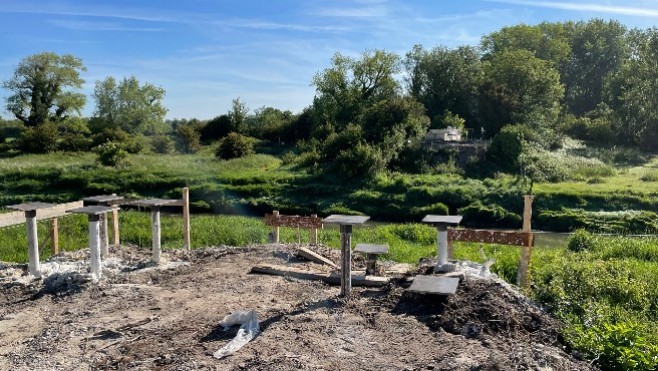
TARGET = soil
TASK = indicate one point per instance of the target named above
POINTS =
(167, 318)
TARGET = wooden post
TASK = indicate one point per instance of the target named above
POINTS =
(33, 242)
(527, 212)
(275, 213)
(115, 228)
(94, 246)
(54, 235)
(187, 244)
(523, 276)
(314, 233)
(155, 233)
(346, 260)
(105, 251)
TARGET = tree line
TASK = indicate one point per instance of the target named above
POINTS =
(522, 86)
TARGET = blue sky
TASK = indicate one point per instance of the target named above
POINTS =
(204, 53)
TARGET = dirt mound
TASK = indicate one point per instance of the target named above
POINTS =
(167, 317)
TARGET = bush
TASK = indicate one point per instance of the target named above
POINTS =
(120, 138)
(162, 144)
(581, 240)
(74, 142)
(111, 154)
(188, 139)
(507, 146)
(480, 215)
(235, 145)
(39, 139)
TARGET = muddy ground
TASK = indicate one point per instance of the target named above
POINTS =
(167, 318)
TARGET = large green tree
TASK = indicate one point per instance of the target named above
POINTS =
(43, 88)
(520, 88)
(128, 105)
(350, 85)
(633, 92)
(599, 48)
(446, 80)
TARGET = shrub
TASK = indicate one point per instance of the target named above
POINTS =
(478, 214)
(39, 139)
(188, 139)
(130, 144)
(111, 154)
(235, 145)
(507, 146)
(162, 144)
(74, 142)
(581, 240)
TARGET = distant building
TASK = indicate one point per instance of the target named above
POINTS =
(448, 134)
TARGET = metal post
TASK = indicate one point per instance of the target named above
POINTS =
(346, 260)
(155, 233)
(33, 242)
(95, 246)
(442, 264)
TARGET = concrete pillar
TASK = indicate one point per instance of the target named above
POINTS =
(527, 212)
(95, 246)
(33, 243)
(442, 264)
(155, 233)
(275, 213)
(187, 244)
(346, 260)
(105, 251)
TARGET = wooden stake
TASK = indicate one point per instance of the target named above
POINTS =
(187, 244)
(276, 227)
(314, 234)
(115, 228)
(54, 235)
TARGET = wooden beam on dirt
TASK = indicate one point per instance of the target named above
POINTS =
(334, 279)
(314, 257)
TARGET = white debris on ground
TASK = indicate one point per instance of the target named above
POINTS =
(68, 266)
(249, 329)
(482, 272)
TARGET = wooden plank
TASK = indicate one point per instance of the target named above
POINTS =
(187, 244)
(486, 236)
(54, 235)
(293, 221)
(314, 257)
(436, 285)
(334, 278)
(18, 217)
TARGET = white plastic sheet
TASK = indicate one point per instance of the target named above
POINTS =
(248, 330)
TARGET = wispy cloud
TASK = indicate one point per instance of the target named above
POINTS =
(135, 14)
(265, 25)
(589, 7)
(352, 12)
(487, 14)
(99, 26)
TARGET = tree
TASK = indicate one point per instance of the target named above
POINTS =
(633, 92)
(238, 115)
(520, 88)
(350, 85)
(39, 88)
(599, 49)
(127, 105)
(188, 138)
(217, 128)
(547, 41)
(446, 79)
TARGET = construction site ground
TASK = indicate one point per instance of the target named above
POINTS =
(166, 317)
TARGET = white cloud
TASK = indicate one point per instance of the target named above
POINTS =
(586, 7)
(99, 26)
